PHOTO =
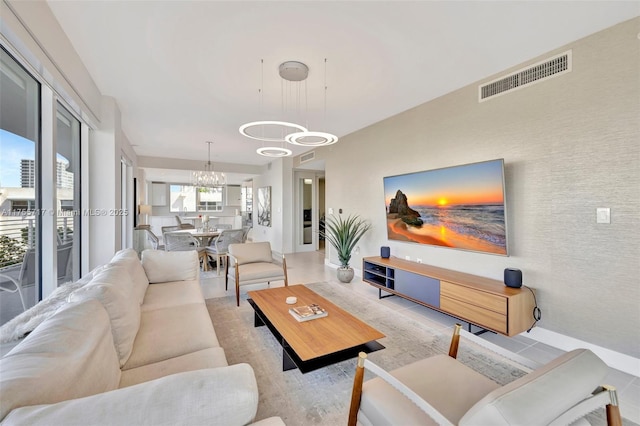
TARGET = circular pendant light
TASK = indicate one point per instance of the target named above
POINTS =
(314, 138)
(244, 129)
(274, 151)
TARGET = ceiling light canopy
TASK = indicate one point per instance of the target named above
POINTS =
(208, 178)
(273, 131)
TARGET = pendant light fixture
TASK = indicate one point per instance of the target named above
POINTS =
(208, 178)
(256, 129)
(307, 138)
(292, 74)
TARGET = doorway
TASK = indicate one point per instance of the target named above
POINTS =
(309, 190)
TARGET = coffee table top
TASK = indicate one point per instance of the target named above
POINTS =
(338, 331)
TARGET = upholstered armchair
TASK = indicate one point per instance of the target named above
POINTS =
(441, 390)
(251, 263)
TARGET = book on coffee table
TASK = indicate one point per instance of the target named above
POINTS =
(307, 312)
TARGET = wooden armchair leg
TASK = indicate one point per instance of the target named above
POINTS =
(455, 341)
(284, 267)
(356, 392)
(226, 275)
(237, 286)
(613, 410)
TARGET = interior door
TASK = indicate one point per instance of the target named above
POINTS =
(306, 215)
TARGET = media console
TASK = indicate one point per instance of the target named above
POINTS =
(484, 302)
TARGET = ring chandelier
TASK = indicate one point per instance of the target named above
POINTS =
(295, 72)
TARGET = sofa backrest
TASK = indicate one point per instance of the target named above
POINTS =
(542, 395)
(251, 252)
(71, 355)
(128, 258)
(166, 266)
(114, 289)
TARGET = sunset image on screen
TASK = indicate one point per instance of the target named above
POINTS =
(461, 207)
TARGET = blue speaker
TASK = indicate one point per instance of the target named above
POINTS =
(385, 252)
(513, 277)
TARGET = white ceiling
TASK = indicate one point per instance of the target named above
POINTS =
(184, 72)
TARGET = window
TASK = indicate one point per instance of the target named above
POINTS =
(182, 198)
(19, 182)
(23, 206)
(210, 199)
(68, 200)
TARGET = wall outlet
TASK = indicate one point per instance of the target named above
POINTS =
(407, 258)
(419, 260)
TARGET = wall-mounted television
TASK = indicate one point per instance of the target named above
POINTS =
(461, 207)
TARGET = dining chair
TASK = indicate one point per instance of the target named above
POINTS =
(219, 247)
(245, 236)
(184, 241)
(166, 229)
(154, 240)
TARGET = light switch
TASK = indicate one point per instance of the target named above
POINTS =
(330, 210)
(603, 215)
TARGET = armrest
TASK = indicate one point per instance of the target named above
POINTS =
(213, 396)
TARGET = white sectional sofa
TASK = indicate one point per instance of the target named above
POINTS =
(134, 346)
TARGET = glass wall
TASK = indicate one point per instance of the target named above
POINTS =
(67, 194)
(19, 187)
(26, 258)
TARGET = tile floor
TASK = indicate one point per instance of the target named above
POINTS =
(309, 267)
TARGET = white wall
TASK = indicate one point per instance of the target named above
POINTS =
(570, 144)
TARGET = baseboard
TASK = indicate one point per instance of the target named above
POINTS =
(613, 359)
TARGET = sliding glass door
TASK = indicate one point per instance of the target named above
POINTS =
(20, 218)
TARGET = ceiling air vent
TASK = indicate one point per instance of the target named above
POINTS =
(546, 69)
(308, 156)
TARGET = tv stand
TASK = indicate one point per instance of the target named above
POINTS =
(480, 301)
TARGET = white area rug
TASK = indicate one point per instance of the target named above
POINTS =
(321, 397)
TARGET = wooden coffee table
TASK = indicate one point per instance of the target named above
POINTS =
(316, 343)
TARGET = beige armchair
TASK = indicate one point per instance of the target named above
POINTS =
(251, 263)
(441, 390)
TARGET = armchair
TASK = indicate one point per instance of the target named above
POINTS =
(251, 263)
(441, 390)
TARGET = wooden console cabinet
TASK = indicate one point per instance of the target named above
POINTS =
(481, 301)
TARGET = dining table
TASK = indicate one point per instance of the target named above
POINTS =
(203, 236)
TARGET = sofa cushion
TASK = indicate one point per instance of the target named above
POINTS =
(543, 394)
(164, 295)
(128, 258)
(70, 355)
(206, 358)
(123, 310)
(171, 332)
(214, 396)
(448, 385)
(259, 271)
(165, 266)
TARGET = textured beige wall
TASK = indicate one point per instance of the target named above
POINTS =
(570, 144)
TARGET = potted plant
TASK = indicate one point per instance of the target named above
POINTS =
(344, 234)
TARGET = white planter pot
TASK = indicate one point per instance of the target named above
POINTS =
(345, 275)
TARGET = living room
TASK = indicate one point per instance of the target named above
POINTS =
(570, 145)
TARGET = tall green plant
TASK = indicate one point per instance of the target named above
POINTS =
(344, 234)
